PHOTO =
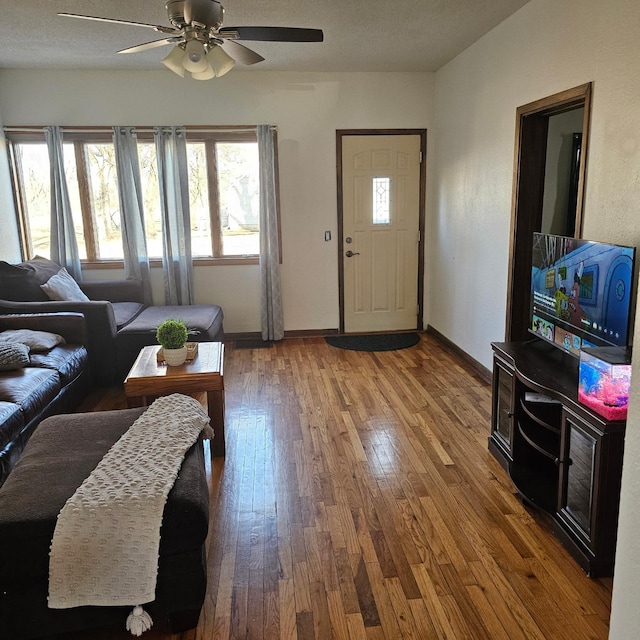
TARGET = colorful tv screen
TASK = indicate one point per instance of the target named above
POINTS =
(581, 292)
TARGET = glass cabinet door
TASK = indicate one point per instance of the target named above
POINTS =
(580, 456)
(502, 406)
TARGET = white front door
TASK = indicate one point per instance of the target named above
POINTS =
(380, 221)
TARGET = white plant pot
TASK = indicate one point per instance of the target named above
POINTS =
(175, 357)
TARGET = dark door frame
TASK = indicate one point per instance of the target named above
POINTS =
(340, 133)
(532, 123)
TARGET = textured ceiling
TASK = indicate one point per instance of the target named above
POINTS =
(360, 35)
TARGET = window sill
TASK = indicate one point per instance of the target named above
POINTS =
(157, 264)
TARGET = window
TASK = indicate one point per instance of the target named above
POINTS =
(224, 197)
(381, 213)
(238, 183)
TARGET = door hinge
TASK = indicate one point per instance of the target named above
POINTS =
(418, 237)
(417, 309)
(420, 157)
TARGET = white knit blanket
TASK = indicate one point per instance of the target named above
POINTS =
(105, 546)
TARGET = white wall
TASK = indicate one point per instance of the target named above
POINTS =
(307, 108)
(9, 241)
(543, 48)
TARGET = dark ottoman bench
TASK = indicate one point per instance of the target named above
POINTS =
(204, 322)
(63, 451)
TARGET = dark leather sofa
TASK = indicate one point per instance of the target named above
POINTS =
(53, 382)
(118, 322)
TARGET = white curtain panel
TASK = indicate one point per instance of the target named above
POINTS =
(271, 316)
(134, 241)
(171, 150)
(64, 247)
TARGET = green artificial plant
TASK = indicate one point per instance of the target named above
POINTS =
(172, 334)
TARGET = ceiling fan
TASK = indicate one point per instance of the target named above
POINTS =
(203, 47)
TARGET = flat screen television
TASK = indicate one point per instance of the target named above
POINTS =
(581, 292)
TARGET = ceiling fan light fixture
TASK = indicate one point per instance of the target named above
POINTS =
(208, 74)
(220, 61)
(173, 61)
(196, 25)
(194, 58)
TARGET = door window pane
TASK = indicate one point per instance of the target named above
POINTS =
(381, 200)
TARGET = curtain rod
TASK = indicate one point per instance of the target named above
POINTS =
(142, 129)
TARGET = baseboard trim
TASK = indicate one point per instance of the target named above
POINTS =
(480, 369)
(231, 337)
(305, 333)
(311, 333)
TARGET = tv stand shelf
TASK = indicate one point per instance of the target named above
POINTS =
(562, 457)
(543, 415)
(542, 443)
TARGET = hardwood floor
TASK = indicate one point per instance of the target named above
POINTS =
(358, 500)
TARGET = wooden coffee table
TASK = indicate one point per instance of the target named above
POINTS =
(148, 379)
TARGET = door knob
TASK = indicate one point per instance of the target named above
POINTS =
(350, 254)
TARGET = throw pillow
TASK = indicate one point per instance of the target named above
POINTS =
(35, 340)
(13, 355)
(21, 282)
(63, 287)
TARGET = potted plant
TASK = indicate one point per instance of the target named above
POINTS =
(172, 335)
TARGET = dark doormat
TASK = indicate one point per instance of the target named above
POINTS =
(375, 342)
(256, 343)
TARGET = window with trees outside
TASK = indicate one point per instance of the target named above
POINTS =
(223, 172)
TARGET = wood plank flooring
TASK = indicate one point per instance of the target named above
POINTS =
(358, 501)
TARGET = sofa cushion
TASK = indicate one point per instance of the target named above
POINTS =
(31, 388)
(13, 355)
(125, 312)
(68, 360)
(202, 320)
(35, 340)
(62, 286)
(21, 282)
(11, 422)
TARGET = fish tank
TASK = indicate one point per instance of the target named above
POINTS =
(604, 380)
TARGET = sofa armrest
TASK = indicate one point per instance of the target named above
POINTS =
(71, 326)
(100, 324)
(99, 314)
(114, 290)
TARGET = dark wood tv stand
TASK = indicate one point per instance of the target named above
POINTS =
(562, 457)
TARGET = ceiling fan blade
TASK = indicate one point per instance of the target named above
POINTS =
(206, 12)
(274, 34)
(241, 53)
(149, 45)
(155, 27)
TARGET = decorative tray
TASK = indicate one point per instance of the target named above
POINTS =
(192, 352)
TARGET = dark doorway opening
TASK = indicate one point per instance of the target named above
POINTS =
(528, 202)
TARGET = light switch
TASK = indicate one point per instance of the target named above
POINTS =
(327, 236)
